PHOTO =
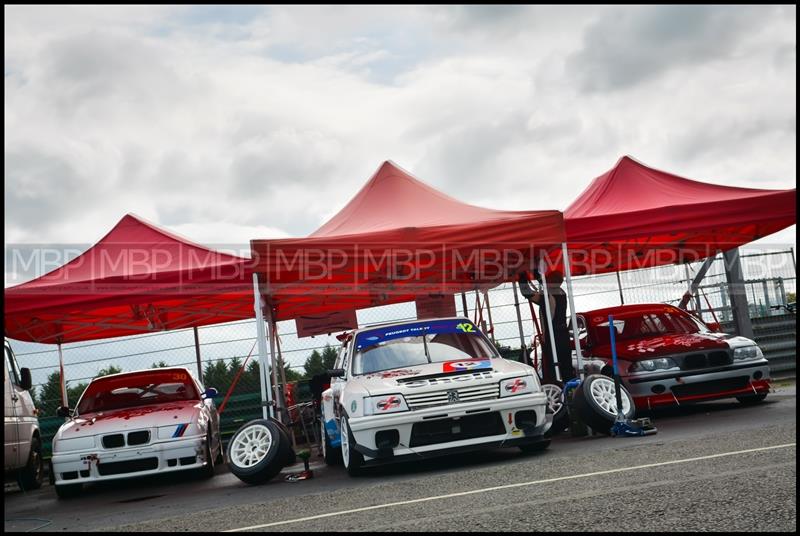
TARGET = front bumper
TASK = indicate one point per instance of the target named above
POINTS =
(502, 411)
(675, 388)
(96, 465)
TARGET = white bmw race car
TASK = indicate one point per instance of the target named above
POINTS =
(134, 424)
(405, 391)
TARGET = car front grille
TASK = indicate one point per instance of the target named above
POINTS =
(444, 397)
(701, 360)
(113, 441)
(142, 437)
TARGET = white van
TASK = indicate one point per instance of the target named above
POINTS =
(23, 453)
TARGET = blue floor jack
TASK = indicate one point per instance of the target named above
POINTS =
(624, 427)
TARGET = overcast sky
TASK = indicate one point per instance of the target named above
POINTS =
(230, 123)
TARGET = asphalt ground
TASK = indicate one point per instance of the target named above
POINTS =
(716, 466)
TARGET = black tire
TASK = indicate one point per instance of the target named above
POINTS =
(351, 458)
(289, 457)
(207, 471)
(557, 409)
(331, 455)
(751, 400)
(598, 418)
(30, 477)
(68, 491)
(535, 447)
(243, 442)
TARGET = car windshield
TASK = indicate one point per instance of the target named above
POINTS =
(436, 341)
(137, 389)
(646, 324)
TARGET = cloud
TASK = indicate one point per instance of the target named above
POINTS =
(627, 46)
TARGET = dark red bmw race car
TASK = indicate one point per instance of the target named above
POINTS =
(667, 356)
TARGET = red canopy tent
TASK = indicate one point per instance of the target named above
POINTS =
(634, 216)
(397, 239)
(137, 278)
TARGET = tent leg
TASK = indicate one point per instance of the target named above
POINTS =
(280, 402)
(573, 314)
(197, 355)
(64, 399)
(523, 347)
(282, 373)
(266, 388)
(464, 303)
(619, 286)
(549, 314)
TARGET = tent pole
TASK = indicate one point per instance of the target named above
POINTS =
(266, 388)
(464, 303)
(523, 347)
(280, 406)
(619, 286)
(197, 355)
(549, 314)
(573, 314)
(64, 399)
(282, 373)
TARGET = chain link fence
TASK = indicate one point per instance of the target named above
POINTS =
(228, 354)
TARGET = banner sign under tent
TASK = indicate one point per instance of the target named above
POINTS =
(326, 323)
(435, 305)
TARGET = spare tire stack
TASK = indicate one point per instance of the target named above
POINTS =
(259, 450)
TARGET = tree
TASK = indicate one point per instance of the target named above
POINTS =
(319, 363)
(160, 364)
(217, 375)
(111, 369)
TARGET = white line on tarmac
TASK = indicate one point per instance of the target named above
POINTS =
(508, 486)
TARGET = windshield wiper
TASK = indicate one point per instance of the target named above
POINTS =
(425, 345)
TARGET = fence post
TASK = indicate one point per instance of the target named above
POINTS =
(619, 286)
(767, 303)
(781, 290)
(197, 355)
(738, 294)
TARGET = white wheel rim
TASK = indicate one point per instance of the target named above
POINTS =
(604, 394)
(553, 393)
(345, 443)
(251, 445)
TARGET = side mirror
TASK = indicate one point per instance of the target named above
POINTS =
(27, 382)
(714, 326)
(336, 373)
(209, 393)
(63, 411)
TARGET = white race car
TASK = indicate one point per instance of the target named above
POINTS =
(409, 390)
(134, 424)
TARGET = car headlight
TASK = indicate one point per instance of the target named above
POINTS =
(650, 365)
(69, 445)
(517, 386)
(747, 352)
(380, 405)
